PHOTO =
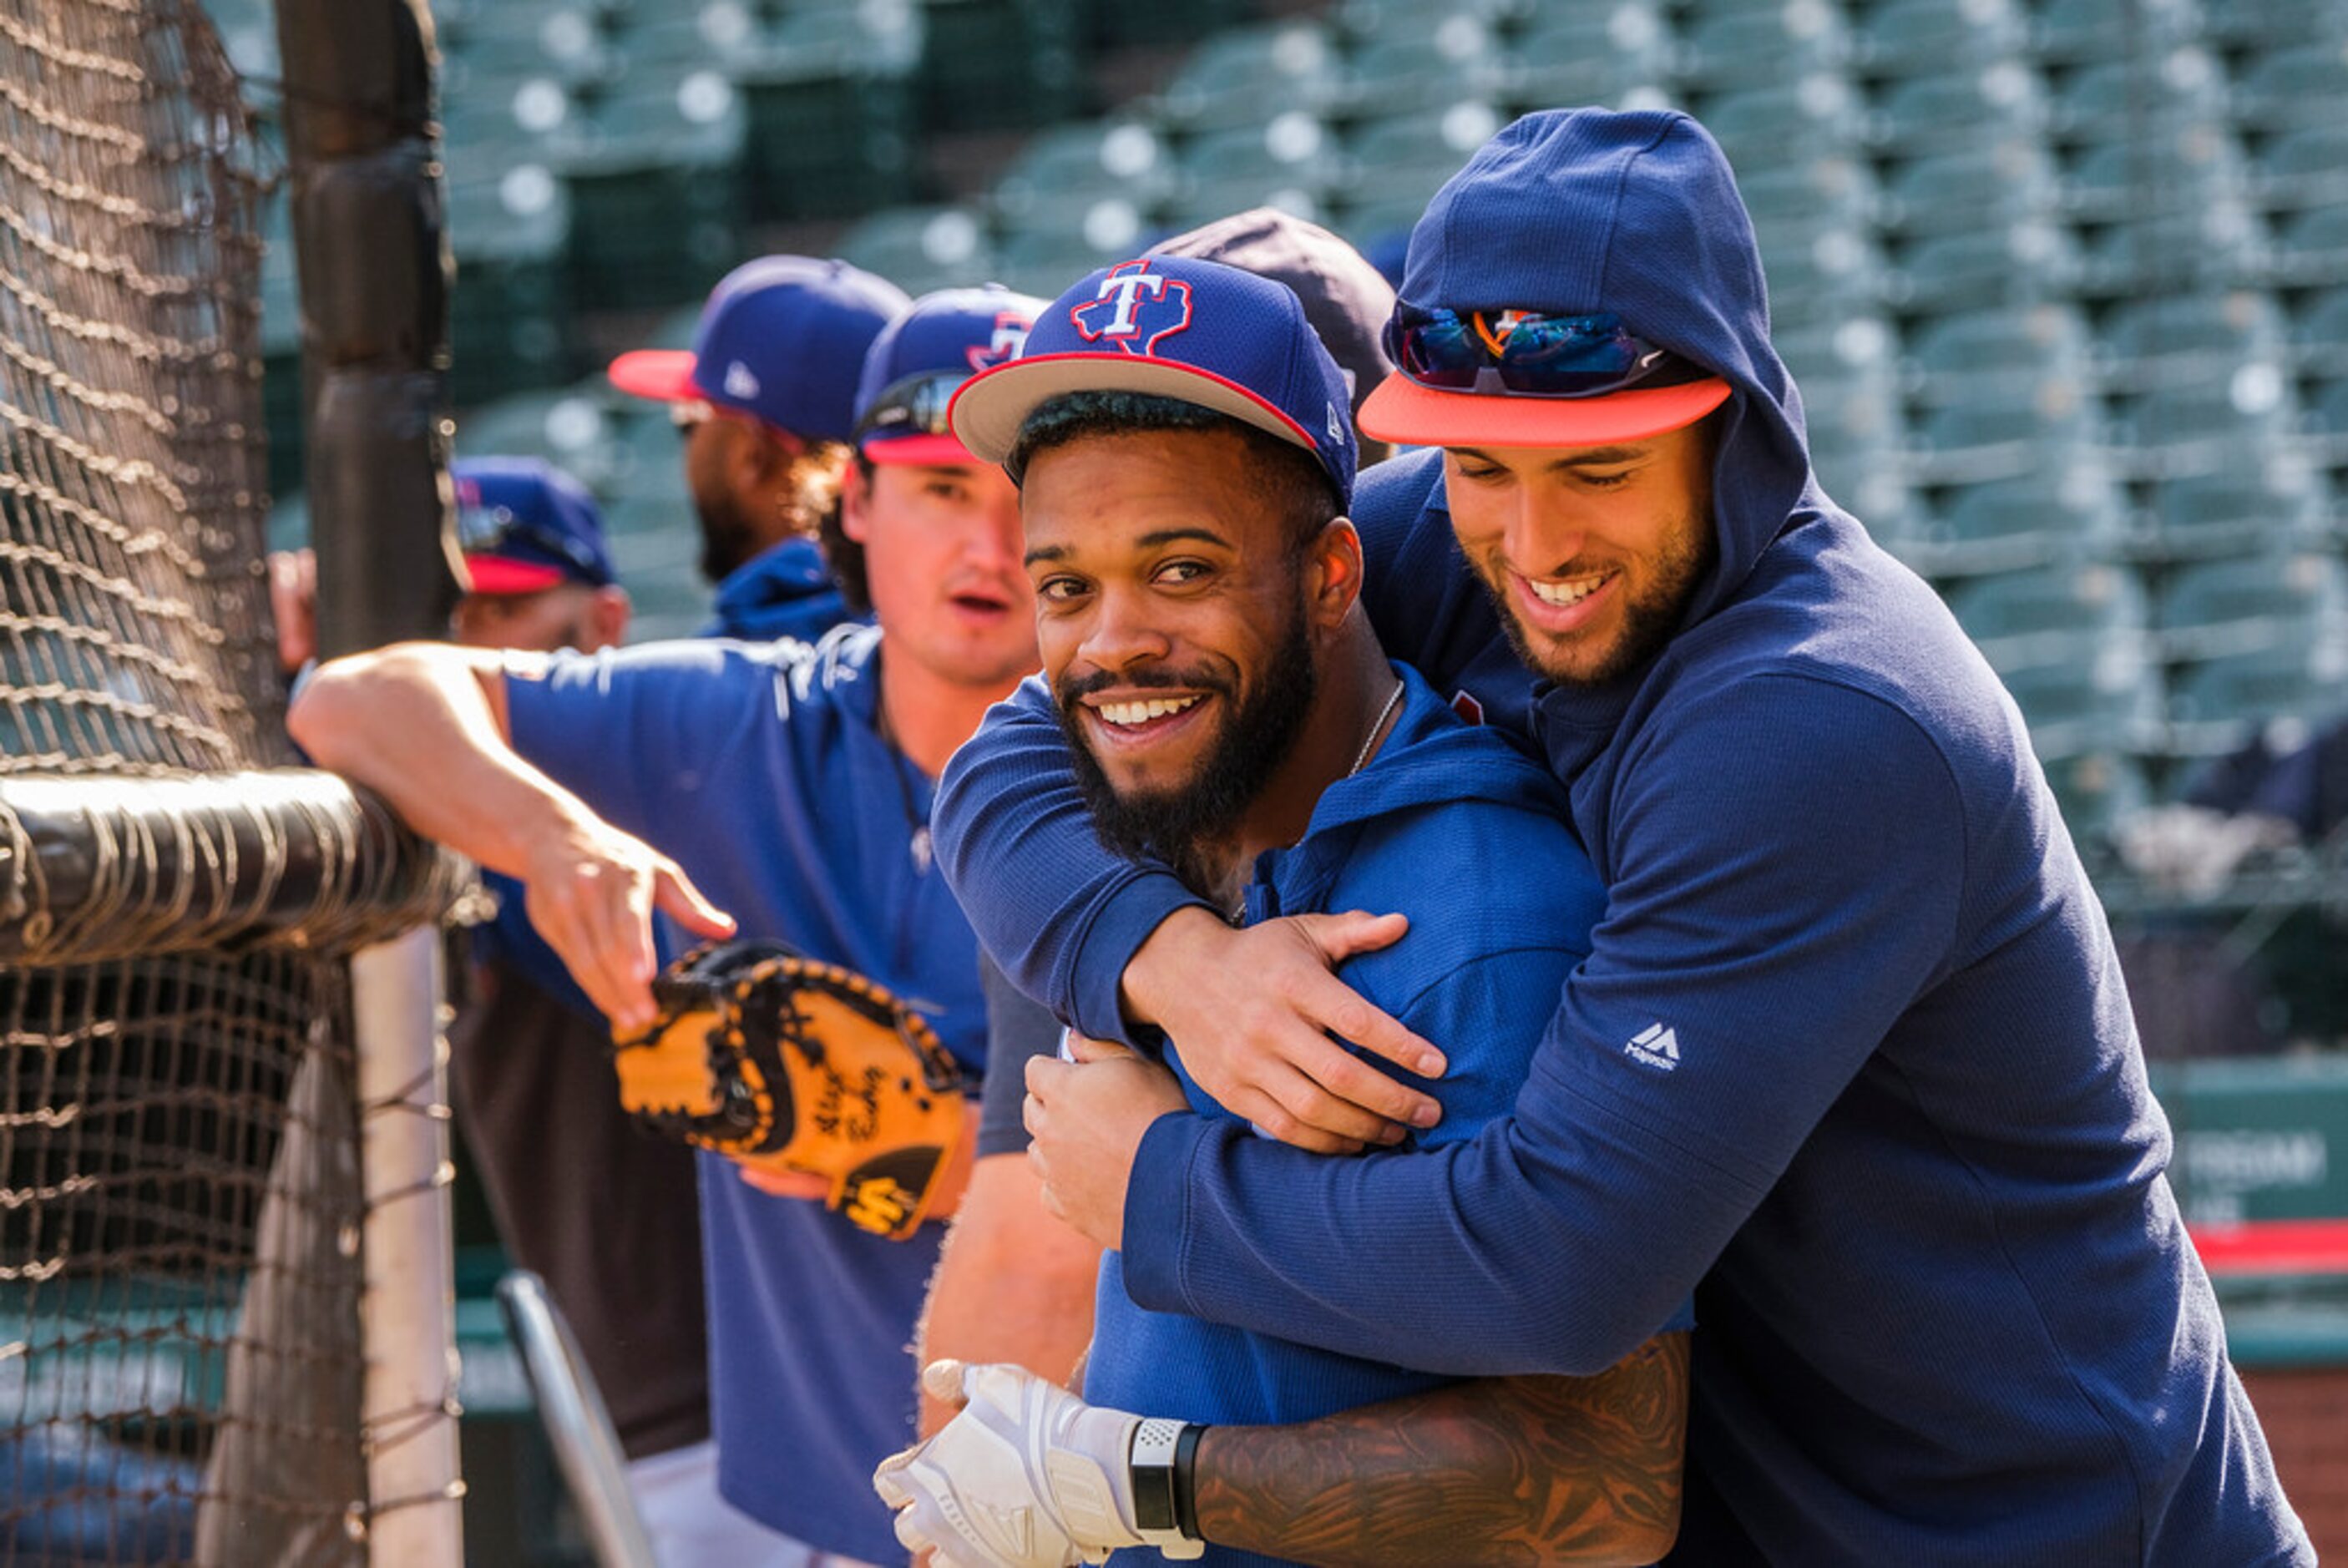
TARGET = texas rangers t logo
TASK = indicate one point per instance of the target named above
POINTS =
(1134, 308)
(1010, 336)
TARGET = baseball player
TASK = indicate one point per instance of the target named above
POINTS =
(1229, 709)
(1849, 1059)
(793, 785)
(765, 399)
(1013, 1284)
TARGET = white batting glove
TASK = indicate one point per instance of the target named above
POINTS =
(1027, 1476)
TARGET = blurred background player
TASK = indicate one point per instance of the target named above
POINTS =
(793, 784)
(573, 1183)
(765, 399)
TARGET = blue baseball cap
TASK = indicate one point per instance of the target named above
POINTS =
(782, 339)
(1574, 221)
(922, 358)
(1180, 327)
(526, 526)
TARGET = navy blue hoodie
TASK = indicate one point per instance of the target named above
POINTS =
(1851, 1057)
(785, 590)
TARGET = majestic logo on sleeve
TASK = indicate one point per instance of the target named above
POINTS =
(1655, 1046)
(1134, 308)
(1010, 337)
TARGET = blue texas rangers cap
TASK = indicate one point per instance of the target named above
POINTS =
(1180, 327)
(526, 526)
(922, 358)
(1539, 283)
(782, 339)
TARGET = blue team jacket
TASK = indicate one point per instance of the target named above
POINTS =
(759, 772)
(785, 590)
(1851, 1057)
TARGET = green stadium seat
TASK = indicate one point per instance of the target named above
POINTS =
(1573, 53)
(2016, 266)
(992, 63)
(1292, 152)
(1933, 37)
(922, 248)
(1987, 355)
(1248, 76)
(2216, 246)
(2092, 32)
(2200, 425)
(571, 429)
(2215, 705)
(510, 317)
(1822, 267)
(1797, 39)
(2181, 169)
(1064, 174)
(2319, 340)
(2097, 791)
(2051, 431)
(1129, 26)
(2010, 181)
(2034, 517)
(2307, 167)
(2118, 100)
(2197, 336)
(1045, 261)
(653, 168)
(830, 109)
(1954, 111)
(2302, 82)
(2101, 706)
(1406, 160)
(2264, 24)
(2213, 608)
(2309, 249)
(2048, 616)
(2327, 422)
(1804, 191)
(1817, 116)
(2236, 509)
(1425, 60)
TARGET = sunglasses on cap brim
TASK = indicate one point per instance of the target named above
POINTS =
(913, 405)
(1527, 354)
(489, 529)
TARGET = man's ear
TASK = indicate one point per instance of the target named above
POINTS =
(1335, 568)
(607, 617)
(855, 498)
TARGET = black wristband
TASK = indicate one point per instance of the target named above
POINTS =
(1186, 1482)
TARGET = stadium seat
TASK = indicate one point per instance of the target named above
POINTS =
(2177, 170)
(2319, 342)
(2007, 182)
(654, 169)
(510, 317)
(990, 64)
(2049, 431)
(1811, 190)
(1823, 267)
(2092, 32)
(1044, 262)
(1126, 27)
(2307, 167)
(2302, 82)
(1990, 356)
(2256, 25)
(2011, 266)
(1785, 43)
(2097, 791)
(1934, 37)
(2216, 705)
(2220, 607)
(2099, 705)
(1406, 160)
(1293, 150)
(571, 428)
(922, 248)
(2237, 509)
(2309, 249)
(2045, 616)
(1425, 61)
(1252, 74)
(2327, 422)
(1816, 116)
(830, 113)
(2200, 425)
(2219, 245)
(2196, 336)
(2115, 100)
(1065, 175)
(2042, 515)
(1943, 111)
(1574, 52)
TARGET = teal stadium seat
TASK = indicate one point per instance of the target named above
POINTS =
(1899, 38)
(2309, 249)
(1953, 110)
(1249, 74)
(2195, 336)
(2010, 180)
(571, 428)
(1816, 116)
(2175, 428)
(2048, 616)
(510, 313)
(2177, 168)
(1063, 176)
(2318, 339)
(1570, 51)
(2218, 244)
(2042, 516)
(1719, 50)
(1424, 61)
(2327, 423)
(921, 249)
(1292, 161)
(653, 164)
(2115, 100)
(2052, 431)
(2302, 82)
(1994, 354)
(990, 65)
(2097, 792)
(2302, 168)
(1821, 268)
(1044, 262)
(2215, 608)
(2094, 31)
(829, 101)
(1396, 164)
(2254, 25)
(2217, 705)
(2109, 704)
(2237, 509)
(1843, 188)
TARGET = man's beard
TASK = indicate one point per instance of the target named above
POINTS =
(728, 538)
(1683, 565)
(1183, 824)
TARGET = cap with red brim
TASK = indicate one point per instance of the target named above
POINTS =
(1403, 411)
(989, 410)
(920, 449)
(664, 374)
(500, 576)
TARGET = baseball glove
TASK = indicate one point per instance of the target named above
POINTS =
(778, 1060)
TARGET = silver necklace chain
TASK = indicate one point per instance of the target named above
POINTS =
(1371, 739)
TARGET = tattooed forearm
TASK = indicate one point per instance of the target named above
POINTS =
(1501, 1471)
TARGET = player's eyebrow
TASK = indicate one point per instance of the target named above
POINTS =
(1175, 535)
(1047, 553)
(1590, 457)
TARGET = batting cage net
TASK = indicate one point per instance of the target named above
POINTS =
(180, 1254)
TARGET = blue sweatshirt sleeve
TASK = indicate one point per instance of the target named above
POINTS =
(1789, 856)
(1052, 905)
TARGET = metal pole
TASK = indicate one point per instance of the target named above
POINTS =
(586, 1445)
(407, 1309)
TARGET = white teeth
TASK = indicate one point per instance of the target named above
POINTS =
(1573, 593)
(1129, 713)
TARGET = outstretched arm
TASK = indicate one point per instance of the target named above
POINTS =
(1517, 1470)
(425, 726)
